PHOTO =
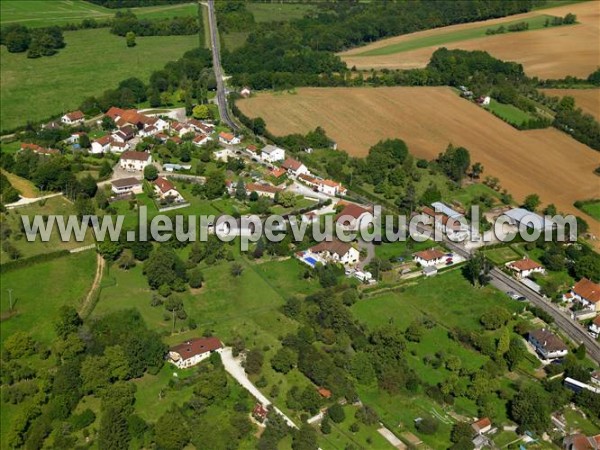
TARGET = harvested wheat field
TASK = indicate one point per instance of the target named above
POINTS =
(547, 53)
(547, 162)
(586, 99)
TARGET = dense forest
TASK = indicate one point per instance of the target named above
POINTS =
(125, 22)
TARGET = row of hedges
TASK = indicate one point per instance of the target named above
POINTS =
(27, 262)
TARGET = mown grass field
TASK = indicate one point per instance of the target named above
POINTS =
(535, 23)
(509, 113)
(39, 290)
(92, 61)
(43, 13)
(593, 209)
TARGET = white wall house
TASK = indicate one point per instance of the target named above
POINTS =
(330, 187)
(73, 118)
(337, 251)
(295, 167)
(201, 140)
(525, 267)
(547, 344)
(127, 185)
(164, 189)
(595, 327)
(192, 352)
(585, 292)
(429, 258)
(228, 139)
(223, 154)
(272, 154)
(135, 161)
(101, 145)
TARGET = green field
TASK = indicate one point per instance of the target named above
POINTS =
(92, 61)
(502, 255)
(39, 290)
(535, 23)
(509, 113)
(43, 13)
(592, 208)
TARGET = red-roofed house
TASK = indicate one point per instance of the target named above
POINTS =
(525, 267)
(201, 139)
(164, 189)
(73, 118)
(135, 161)
(278, 172)
(581, 442)
(336, 251)
(102, 144)
(294, 167)
(330, 187)
(482, 426)
(427, 258)
(325, 393)
(263, 190)
(587, 293)
(228, 138)
(192, 352)
(260, 412)
(354, 216)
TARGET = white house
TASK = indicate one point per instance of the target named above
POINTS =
(228, 139)
(201, 139)
(165, 189)
(118, 147)
(127, 185)
(271, 154)
(336, 251)
(585, 292)
(192, 352)
(223, 154)
(135, 161)
(150, 130)
(547, 344)
(181, 128)
(295, 167)
(73, 118)
(482, 425)
(101, 145)
(263, 190)
(330, 187)
(245, 92)
(523, 268)
(595, 327)
(427, 258)
(124, 117)
(354, 216)
(201, 127)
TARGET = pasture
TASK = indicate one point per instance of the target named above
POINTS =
(592, 208)
(586, 99)
(43, 13)
(92, 61)
(509, 113)
(428, 119)
(547, 53)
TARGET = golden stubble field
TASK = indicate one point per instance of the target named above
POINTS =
(547, 162)
(549, 53)
(586, 99)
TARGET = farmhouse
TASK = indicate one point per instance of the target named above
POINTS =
(585, 292)
(336, 251)
(263, 190)
(547, 344)
(525, 267)
(123, 117)
(427, 258)
(201, 127)
(595, 327)
(354, 217)
(228, 139)
(135, 161)
(271, 154)
(294, 167)
(164, 189)
(101, 145)
(192, 352)
(126, 186)
(73, 118)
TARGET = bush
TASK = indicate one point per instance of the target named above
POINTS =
(336, 413)
(427, 425)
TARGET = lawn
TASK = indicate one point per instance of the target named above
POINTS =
(43, 13)
(509, 113)
(502, 255)
(25, 187)
(92, 61)
(39, 290)
(535, 23)
(59, 206)
(388, 251)
(448, 299)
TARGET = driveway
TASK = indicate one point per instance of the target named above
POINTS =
(233, 366)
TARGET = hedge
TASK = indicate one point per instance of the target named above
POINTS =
(27, 262)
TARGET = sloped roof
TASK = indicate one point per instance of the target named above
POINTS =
(336, 246)
(352, 210)
(138, 156)
(429, 255)
(587, 289)
(291, 164)
(197, 346)
(163, 184)
(525, 264)
(549, 341)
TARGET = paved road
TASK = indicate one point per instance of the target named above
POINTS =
(216, 51)
(234, 367)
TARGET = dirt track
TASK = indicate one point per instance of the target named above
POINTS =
(547, 162)
(549, 53)
(586, 99)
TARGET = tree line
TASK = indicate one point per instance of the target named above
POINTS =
(126, 21)
(36, 42)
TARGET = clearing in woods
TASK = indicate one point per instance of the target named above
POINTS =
(586, 99)
(428, 118)
(554, 52)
